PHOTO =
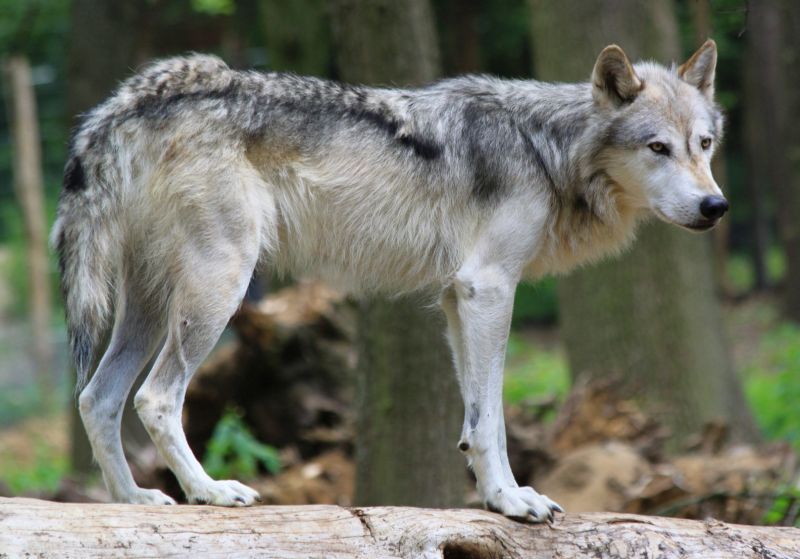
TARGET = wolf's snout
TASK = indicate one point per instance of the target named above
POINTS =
(713, 207)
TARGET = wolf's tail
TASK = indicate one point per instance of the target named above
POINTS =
(84, 240)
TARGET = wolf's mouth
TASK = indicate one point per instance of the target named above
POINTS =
(702, 225)
(698, 225)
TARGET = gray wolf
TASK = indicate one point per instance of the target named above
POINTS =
(192, 173)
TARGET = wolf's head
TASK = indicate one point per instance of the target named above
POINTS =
(664, 128)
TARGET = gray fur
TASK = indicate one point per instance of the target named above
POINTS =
(192, 172)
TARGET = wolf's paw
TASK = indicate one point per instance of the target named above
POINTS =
(224, 493)
(522, 503)
(147, 497)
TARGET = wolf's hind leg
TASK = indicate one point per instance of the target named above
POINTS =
(203, 300)
(133, 342)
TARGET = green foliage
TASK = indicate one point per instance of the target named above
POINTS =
(773, 384)
(28, 26)
(37, 29)
(214, 7)
(537, 303)
(233, 452)
(534, 373)
(781, 507)
(741, 273)
(49, 467)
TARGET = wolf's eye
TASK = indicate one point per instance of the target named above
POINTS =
(659, 148)
(705, 143)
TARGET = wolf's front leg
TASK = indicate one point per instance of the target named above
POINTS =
(478, 307)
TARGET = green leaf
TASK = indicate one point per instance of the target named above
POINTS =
(214, 7)
(233, 451)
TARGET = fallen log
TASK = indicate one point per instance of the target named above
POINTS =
(34, 528)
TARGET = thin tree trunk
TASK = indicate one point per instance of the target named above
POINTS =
(30, 191)
(409, 411)
(650, 317)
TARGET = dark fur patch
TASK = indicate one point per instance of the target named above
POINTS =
(538, 158)
(158, 107)
(74, 176)
(486, 181)
(563, 130)
(61, 250)
(580, 204)
(425, 150)
(474, 415)
(385, 121)
(486, 186)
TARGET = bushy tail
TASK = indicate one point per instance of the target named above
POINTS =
(82, 237)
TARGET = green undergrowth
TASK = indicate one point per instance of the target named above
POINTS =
(741, 275)
(783, 508)
(536, 303)
(233, 451)
(772, 384)
(42, 475)
(534, 373)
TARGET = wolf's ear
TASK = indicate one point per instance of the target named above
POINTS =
(699, 69)
(613, 77)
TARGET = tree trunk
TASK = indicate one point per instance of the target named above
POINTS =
(763, 101)
(303, 46)
(650, 317)
(461, 37)
(409, 411)
(788, 193)
(703, 30)
(37, 528)
(29, 186)
(104, 38)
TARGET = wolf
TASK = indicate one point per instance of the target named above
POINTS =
(192, 173)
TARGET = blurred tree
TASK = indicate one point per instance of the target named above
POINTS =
(763, 101)
(409, 410)
(297, 36)
(650, 317)
(29, 186)
(102, 51)
(460, 33)
(788, 194)
(703, 29)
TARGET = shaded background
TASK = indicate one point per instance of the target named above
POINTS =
(696, 331)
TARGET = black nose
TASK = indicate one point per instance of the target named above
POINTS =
(713, 207)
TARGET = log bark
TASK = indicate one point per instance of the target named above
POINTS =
(34, 528)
